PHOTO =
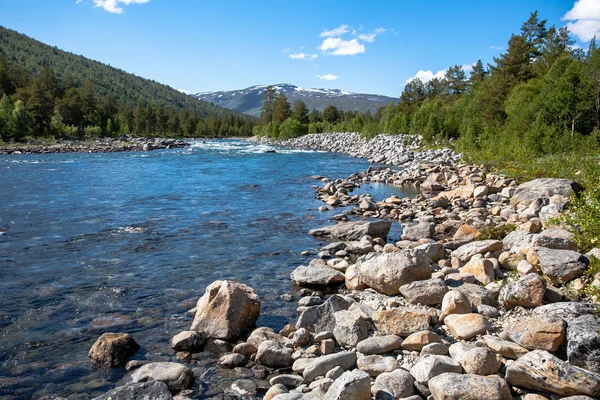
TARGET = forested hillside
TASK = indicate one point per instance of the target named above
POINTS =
(46, 91)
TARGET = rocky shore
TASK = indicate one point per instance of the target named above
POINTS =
(105, 145)
(481, 298)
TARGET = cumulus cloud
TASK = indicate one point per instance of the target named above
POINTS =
(302, 56)
(341, 47)
(337, 32)
(584, 19)
(327, 77)
(116, 6)
(426, 76)
(370, 37)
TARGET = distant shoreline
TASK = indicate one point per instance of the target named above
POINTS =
(105, 145)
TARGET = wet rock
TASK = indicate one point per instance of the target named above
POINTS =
(177, 377)
(379, 344)
(138, 391)
(274, 391)
(480, 361)
(401, 321)
(187, 341)
(428, 292)
(387, 272)
(467, 326)
(561, 266)
(245, 349)
(113, 349)
(244, 388)
(321, 365)
(352, 385)
(538, 332)
(355, 230)
(233, 360)
(226, 310)
(465, 252)
(273, 354)
(505, 348)
(528, 291)
(288, 380)
(455, 302)
(540, 370)
(374, 365)
(396, 385)
(453, 386)
(430, 366)
(350, 328)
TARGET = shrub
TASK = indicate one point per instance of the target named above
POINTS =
(583, 218)
(497, 232)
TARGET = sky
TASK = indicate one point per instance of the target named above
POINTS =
(358, 46)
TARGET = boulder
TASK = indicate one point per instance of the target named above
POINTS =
(480, 361)
(321, 365)
(453, 386)
(376, 364)
(428, 292)
(274, 355)
(541, 371)
(387, 272)
(138, 391)
(395, 385)
(476, 294)
(261, 334)
(352, 385)
(379, 344)
(481, 268)
(354, 230)
(505, 348)
(561, 266)
(401, 321)
(466, 251)
(538, 332)
(290, 381)
(112, 349)
(435, 251)
(583, 342)
(419, 231)
(466, 233)
(274, 391)
(176, 376)
(187, 341)
(455, 302)
(226, 310)
(528, 291)
(418, 340)
(321, 318)
(430, 366)
(316, 274)
(350, 328)
(528, 192)
(467, 326)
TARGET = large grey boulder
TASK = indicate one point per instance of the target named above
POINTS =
(379, 344)
(583, 342)
(528, 192)
(321, 318)
(273, 354)
(226, 310)
(540, 370)
(139, 391)
(527, 291)
(316, 274)
(354, 230)
(387, 272)
(561, 266)
(321, 365)
(176, 376)
(421, 230)
(350, 328)
(428, 292)
(352, 385)
(454, 386)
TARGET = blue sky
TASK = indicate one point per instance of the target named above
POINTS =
(368, 47)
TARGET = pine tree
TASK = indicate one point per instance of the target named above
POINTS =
(300, 112)
(266, 112)
(534, 32)
(331, 114)
(478, 73)
(315, 116)
(281, 109)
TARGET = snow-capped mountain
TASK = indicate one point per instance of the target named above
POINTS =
(249, 100)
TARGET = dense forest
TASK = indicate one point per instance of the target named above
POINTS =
(538, 99)
(46, 92)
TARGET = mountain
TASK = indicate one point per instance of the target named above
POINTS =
(127, 88)
(249, 100)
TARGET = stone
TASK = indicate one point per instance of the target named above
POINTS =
(274, 391)
(541, 371)
(379, 344)
(327, 346)
(476, 294)
(354, 230)
(480, 361)
(397, 384)
(528, 192)
(583, 341)
(233, 360)
(367, 205)
(538, 332)
(187, 341)
(434, 349)
(453, 386)
(350, 328)
(524, 267)
(245, 349)
(244, 388)
(431, 366)
(505, 348)
(274, 355)
(261, 334)
(376, 364)
(138, 391)
(387, 272)
(226, 310)
(482, 269)
(352, 385)
(466, 233)
(487, 311)
(417, 340)
(401, 321)
(561, 266)
(435, 251)
(316, 275)
(290, 381)
(418, 231)
(176, 376)
(321, 318)
(528, 291)
(467, 326)
(113, 349)
(334, 373)
(457, 350)
(352, 278)
(301, 337)
(321, 365)
(428, 292)
(455, 302)
(466, 251)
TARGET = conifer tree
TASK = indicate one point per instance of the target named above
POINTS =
(266, 112)
(300, 112)
(281, 109)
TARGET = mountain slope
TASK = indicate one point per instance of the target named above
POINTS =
(249, 100)
(128, 89)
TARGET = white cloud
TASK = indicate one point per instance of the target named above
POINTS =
(115, 6)
(302, 56)
(183, 91)
(496, 47)
(327, 77)
(340, 47)
(468, 67)
(337, 32)
(367, 37)
(584, 19)
(426, 76)
(78, 1)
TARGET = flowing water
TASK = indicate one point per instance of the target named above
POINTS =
(127, 242)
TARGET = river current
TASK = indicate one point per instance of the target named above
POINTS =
(127, 242)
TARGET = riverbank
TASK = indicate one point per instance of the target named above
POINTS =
(482, 298)
(104, 145)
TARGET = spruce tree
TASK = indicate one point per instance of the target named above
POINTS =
(478, 73)
(281, 109)
(300, 112)
(266, 112)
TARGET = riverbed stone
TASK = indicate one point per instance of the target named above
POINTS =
(316, 274)
(428, 291)
(505, 348)
(376, 364)
(275, 390)
(226, 310)
(476, 294)
(274, 355)
(350, 328)
(401, 321)
(480, 361)
(465, 252)
(430, 366)
(352, 385)
(527, 291)
(561, 266)
(354, 230)
(455, 386)
(187, 341)
(113, 349)
(138, 391)
(397, 384)
(417, 340)
(481, 268)
(321, 365)
(321, 318)
(418, 231)
(379, 344)
(538, 332)
(176, 376)
(455, 302)
(467, 326)
(528, 192)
